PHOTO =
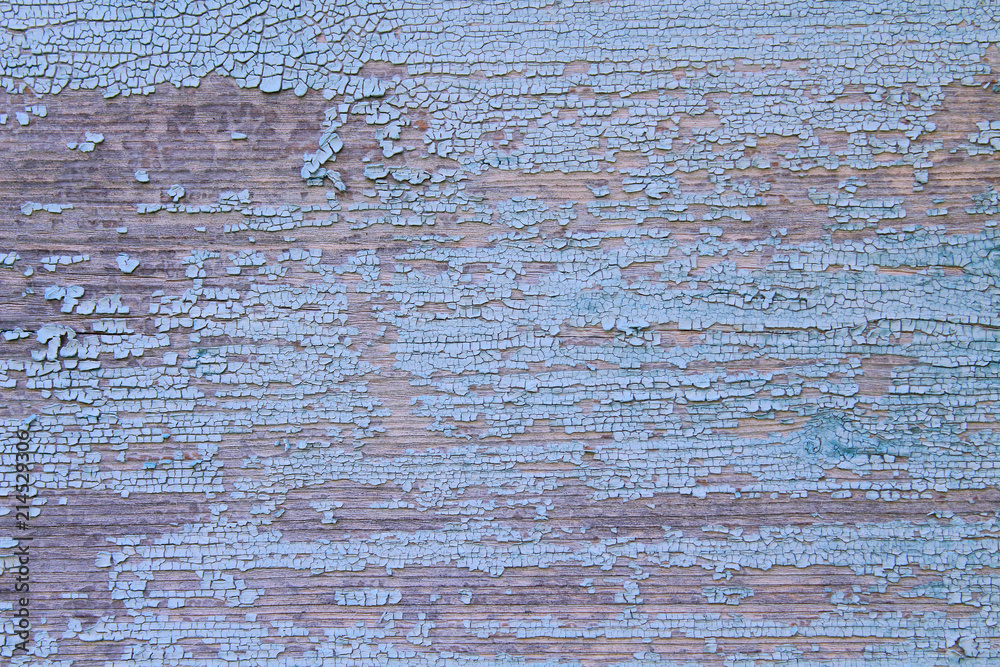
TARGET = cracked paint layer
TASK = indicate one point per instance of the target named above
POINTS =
(468, 334)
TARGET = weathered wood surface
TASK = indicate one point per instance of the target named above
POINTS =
(453, 415)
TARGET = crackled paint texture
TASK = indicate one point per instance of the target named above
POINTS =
(487, 334)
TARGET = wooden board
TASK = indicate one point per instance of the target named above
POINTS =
(697, 365)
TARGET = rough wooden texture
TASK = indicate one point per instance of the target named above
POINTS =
(681, 354)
